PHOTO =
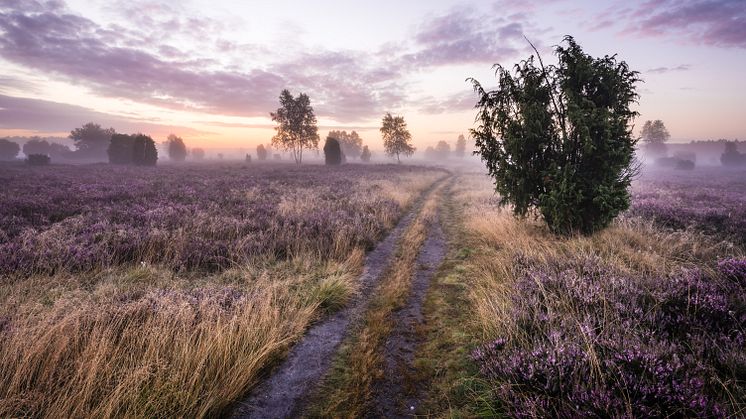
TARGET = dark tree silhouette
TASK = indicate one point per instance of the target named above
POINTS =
(396, 137)
(121, 149)
(365, 155)
(177, 150)
(8, 149)
(198, 153)
(138, 149)
(36, 146)
(460, 148)
(558, 138)
(332, 151)
(296, 125)
(144, 152)
(261, 152)
(731, 156)
(248, 158)
(53, 150)
(91, 141)
(352, 144)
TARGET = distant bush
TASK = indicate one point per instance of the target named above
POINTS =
(248, 158)
(365, 155)
(731, 156)
(684, 165)
(8, 149)
(132, 149)
(120, 149)
(686, 155)
(144, 152)
(37, 159)
(675, 163)
(332, 151)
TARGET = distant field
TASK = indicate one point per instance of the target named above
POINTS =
(707, 200)
(77, 218)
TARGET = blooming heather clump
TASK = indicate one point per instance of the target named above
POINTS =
(598, 343)
(188, 217)
(734, 269)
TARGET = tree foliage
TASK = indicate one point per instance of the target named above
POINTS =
(120, 149)
(333, 154)
(53, 150)
(557, 139)
(198, 153)
(144, 152)
(654, 132)
(396, 137)
(177, 150)
(91, 141)
(460, 148)
(731, 156)
(36, 146)
(352, 144)
(441, 151)
(365, 154)
(261, 152)
(8, 149)
(138, 149)
(296, 125)
(655, 135)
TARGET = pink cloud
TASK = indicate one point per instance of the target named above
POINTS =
(719, 23)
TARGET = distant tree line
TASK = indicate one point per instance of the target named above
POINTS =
(297, 131)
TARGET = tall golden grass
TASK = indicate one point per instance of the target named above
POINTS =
(630, 246)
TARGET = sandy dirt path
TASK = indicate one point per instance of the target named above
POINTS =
(398, 393)
(284, 392)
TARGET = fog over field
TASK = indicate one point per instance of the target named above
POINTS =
(356, 209)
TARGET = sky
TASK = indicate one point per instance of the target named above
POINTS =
(211, 71)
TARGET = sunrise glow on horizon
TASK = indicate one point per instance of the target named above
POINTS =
(211, 71)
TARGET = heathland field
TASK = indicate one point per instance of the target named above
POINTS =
(384, 290)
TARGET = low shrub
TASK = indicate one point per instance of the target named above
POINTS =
(37, 160)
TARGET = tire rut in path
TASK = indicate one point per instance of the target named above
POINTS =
(283, 393)
(398, 393)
